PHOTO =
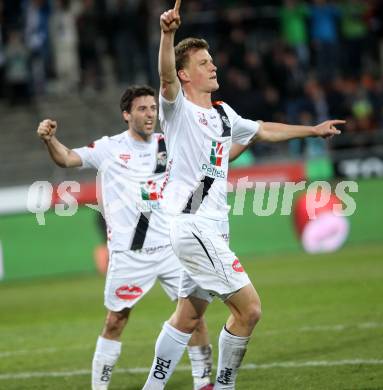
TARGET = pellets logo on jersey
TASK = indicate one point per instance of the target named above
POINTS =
(216, 153)
(128, 293)
(149, 191)
(237, 266)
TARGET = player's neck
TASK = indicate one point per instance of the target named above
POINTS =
(138, 136)
(202, 99)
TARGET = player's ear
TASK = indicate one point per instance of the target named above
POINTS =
(183, 75)
(126, 116)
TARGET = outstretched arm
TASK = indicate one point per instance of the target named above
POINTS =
(60, 154)
(276, 132)
(169, 22)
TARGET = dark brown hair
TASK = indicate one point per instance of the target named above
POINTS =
(184, 47)
(133, 92)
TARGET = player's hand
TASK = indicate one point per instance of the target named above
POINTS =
(328, 128)
(171, 20)
(47, 129)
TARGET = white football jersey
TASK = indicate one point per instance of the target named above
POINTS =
(198, 141)
(131, 176)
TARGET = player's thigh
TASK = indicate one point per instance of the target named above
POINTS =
(176, 281)
(203, 250)
(244, 301)
(169, 273)
(191, 307)
(188, 313)
(130, 276)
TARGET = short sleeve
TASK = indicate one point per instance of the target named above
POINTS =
(243, 130)
(169, 109)
(94, 154)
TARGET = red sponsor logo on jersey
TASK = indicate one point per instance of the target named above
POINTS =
(125, 157)
(216, 153)
(149, 191)
(128, 293)
(237, 266)
(91, 145)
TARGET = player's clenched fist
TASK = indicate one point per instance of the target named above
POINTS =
(170, 20)
(47, 129)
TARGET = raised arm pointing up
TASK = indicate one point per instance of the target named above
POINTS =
(169, 22)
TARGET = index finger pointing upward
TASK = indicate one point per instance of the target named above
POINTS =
(177, 5)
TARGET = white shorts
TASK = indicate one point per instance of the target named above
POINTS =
(210, 267)
(131, 274)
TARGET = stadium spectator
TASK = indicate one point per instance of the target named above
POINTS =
(312, 108)
(374, 18)
(16, 69)
(253, 66)
(337, 98)
(89, 46)
(36, 32)
(238, 90)
(293, 17)
(324, 22)
(127, 25)
(362, 109)
(354, 33)
(289, 78)
(13, 16)
(64, 40)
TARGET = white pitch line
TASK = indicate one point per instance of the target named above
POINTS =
(303, 329)
(251, 366)
(328, 328)
(5, 354)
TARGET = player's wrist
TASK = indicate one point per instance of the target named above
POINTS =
(168, 33)
(48, 140)
(314, 131)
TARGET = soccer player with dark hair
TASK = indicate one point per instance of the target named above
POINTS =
(132, 173)
(199, 135)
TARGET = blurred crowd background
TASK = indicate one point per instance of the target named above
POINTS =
(291, 61)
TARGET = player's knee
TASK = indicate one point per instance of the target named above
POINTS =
(187, 324)
(250, 317)
(254, 314)
(115, 323)
(201, 326)
(193, 325)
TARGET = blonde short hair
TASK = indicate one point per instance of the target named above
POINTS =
(183, 49)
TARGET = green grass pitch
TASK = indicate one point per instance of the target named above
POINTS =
(322, 327)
